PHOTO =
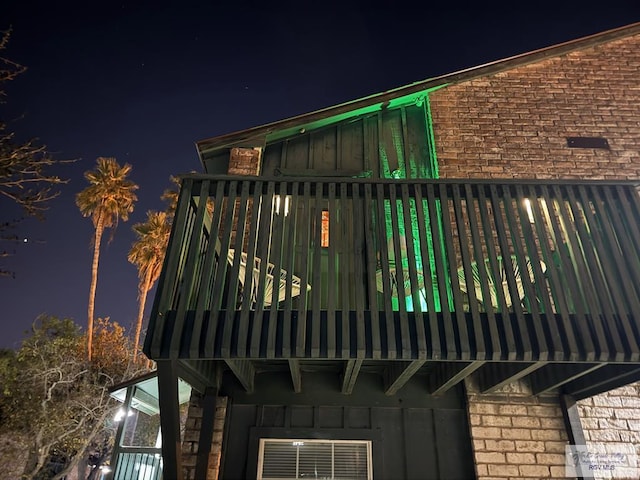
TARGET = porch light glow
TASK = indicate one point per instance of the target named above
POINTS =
(527, 206)
(277, 200)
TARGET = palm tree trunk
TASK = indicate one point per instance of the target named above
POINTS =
(143, 300)
(94, 283)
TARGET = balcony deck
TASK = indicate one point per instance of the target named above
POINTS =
(455, 271)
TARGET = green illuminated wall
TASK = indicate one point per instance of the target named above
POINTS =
(398, 160)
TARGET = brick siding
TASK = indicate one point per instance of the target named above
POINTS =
(516, 435)
(514, 124)
(612, 418)
(192, 435)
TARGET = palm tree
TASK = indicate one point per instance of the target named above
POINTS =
(147, 253)
(108, 198)
(170, 195)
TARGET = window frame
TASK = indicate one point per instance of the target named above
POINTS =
(263, 440)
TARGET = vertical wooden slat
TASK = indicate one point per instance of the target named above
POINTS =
(290, 230)
(369, 237)
(627, 231)
(408, 161)
(558, 311)
(349, 249)
(613, 263)
(339, 146)
(332, 277)
(592, 264)
(523, 344)
(594, 322)
(360, 215)
(569, 284)
(507, 339)
(597, 266)
(449, 343)
(169, 276)
(403, 344)
(625, 227)
(387, 293)
(317, 274)
(479, 350)
(275, 258)
(492, 340)
(212, 263)
(189, 281)
(266, 214)
(221, 270)
(418, 319)
(240, 222)
(545, 234)
(541, 292)
(537, 334)
(305, 225)
(433, 345)
(245, 308)
(464, 351)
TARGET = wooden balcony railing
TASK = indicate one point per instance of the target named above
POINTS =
(432, 269)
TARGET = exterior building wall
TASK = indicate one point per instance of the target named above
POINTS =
(514, 124)
(191, 436)
(612, 417)
(516, 435)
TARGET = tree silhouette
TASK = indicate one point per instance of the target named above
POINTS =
(147, 253)
(108, 198)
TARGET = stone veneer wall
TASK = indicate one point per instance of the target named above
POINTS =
(516, 435)
(612, 417)
(191, 437)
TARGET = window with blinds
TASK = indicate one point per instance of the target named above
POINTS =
(282, 459)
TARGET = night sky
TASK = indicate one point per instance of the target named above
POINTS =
(142, 81)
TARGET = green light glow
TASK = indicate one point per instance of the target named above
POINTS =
(426, 168)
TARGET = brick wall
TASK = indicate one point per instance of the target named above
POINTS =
(192, 435)
(243, 162)
(514, 124)
(612, 417)
(516, 435)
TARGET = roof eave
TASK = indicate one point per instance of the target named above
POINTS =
(384, 98)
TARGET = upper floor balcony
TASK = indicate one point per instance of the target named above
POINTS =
(327, 268)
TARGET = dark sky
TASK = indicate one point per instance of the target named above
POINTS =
(142, 81)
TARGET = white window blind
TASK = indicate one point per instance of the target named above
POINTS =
(284, 459)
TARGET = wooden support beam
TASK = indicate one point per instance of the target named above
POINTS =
(398, 373)
(296, 375)
(554, 375)
(604, 379)
(351, 371)
(169, 419)
(573, 426)
(494, 376)
(244, 372)
(448, 374)
(190, 373)
(207, 428)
